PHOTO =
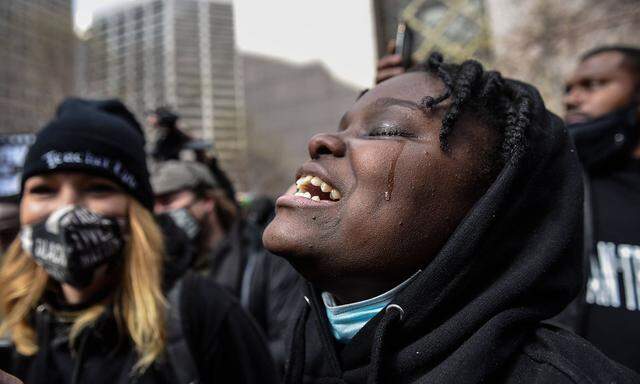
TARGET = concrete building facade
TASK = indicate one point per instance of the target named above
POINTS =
(36, 72)
(179, 53)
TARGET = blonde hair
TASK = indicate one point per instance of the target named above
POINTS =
(138, 302)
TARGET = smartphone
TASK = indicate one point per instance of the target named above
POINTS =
(404, 43)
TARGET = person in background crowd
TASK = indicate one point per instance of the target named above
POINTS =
(9, 222)
(13, 149)
(438, 228)
(226, 247)
(81, 290)
(207, 215)
(170, 140)
(602, 112)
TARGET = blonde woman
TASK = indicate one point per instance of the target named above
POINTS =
(81, 289)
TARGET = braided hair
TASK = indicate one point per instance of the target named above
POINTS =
(503, 106)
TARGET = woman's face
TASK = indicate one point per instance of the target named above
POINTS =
(43, 194)
(400, 195)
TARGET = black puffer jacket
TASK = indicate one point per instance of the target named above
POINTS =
(224, 343)
(266, 285)
(474, 314)
(169, 146)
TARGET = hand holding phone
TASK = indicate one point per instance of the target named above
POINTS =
(404, 44)
(398, 59)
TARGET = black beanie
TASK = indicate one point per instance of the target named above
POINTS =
(165, 117)
(100, 137)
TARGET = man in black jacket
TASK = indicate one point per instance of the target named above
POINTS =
(438, 228)
(170, 140)
(220, 244)
(602, 110)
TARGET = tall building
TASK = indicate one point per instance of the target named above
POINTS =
(36, 69)
(179, 53)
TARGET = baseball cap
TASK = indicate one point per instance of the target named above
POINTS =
(175, 175)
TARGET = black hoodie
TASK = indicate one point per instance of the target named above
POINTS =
(474, 314)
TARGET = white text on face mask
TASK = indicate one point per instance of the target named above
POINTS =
(50, 251)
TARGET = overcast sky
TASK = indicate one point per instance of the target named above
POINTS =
(338, 33)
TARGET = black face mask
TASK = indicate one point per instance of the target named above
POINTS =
(184, 220)
(606, 139)
(72, 243)
(180, 230)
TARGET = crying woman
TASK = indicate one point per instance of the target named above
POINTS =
(438, 228)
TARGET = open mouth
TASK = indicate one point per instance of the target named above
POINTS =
(314, 188)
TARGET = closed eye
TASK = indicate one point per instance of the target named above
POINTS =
(389, 131)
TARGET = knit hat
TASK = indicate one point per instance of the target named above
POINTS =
(101, 137)
(175, 175)
(166, 117)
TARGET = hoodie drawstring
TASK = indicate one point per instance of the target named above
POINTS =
(295, 370)
(392, 313)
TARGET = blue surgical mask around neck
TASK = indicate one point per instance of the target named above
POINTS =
(346, 320)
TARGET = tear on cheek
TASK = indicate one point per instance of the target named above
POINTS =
(391, 175)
